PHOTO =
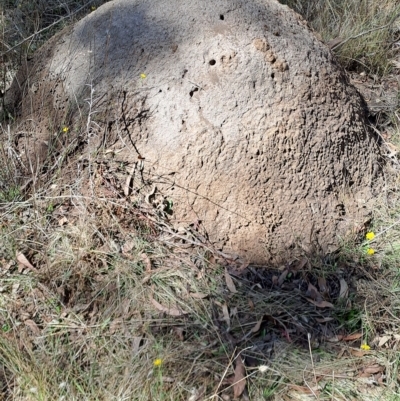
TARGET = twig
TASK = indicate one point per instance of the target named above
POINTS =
(382, 232)
(305, 381)
(89, 123)
(127, 187)
(225, 372)
(313, 367)
(233, 358)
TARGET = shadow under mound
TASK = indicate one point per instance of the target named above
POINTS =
(296, 303)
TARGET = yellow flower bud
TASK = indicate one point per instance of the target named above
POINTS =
(370, 236)
(157, 362)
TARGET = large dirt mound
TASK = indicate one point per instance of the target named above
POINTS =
(239, 111)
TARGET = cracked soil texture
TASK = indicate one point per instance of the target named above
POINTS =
(242, 116)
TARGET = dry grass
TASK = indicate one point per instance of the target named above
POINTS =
(25, 25)
(364, 34)
(111, 287)
(82, 322)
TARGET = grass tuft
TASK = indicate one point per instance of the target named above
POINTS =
(363, 34)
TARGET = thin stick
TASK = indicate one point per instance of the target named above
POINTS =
(233, 357)
(305, 381)
(312, 364)
(383, 231)
(223, 376)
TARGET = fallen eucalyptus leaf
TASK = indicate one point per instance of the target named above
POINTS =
(229, 282)
(239, 380)
(198, 295)
(344, 289)
(168, 311)
(33, 326)
(257, 326)
(146, 261)
(24, 261)
(321, 304)
(225, 312)
(352, 337)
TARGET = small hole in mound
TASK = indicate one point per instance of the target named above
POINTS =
(192, 91)
(221, 17)
(212, 62)
(341, 210)
(273, 75)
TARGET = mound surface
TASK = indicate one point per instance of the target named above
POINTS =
(238, 113)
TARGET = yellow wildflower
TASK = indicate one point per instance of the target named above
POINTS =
(157, 362)
(370, 251)
(143, 76)
(65, 129)
(370, 236)
(365, 347)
